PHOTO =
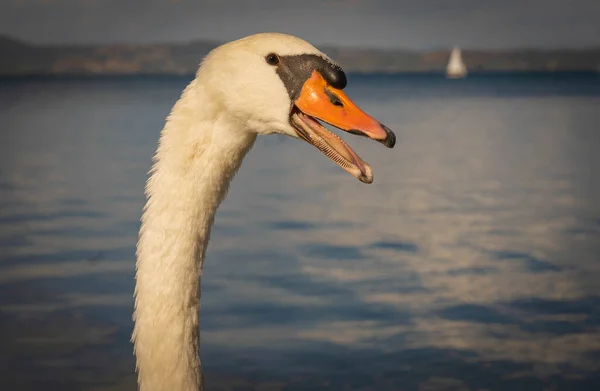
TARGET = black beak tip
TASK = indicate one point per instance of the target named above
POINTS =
(390, 140)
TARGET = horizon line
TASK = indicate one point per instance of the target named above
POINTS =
(433, 48)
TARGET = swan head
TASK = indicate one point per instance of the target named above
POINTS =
(277, 83)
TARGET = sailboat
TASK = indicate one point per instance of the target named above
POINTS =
(456, 68)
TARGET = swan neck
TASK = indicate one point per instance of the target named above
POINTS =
(198, 155)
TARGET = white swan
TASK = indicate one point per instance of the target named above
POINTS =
(262, 84)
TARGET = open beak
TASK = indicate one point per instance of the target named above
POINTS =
(320, 101)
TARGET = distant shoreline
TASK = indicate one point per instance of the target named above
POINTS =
(25, 60)
(167, 76)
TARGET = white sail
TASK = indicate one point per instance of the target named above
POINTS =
(456, 67)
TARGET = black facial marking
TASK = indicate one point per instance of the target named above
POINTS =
(295, 70)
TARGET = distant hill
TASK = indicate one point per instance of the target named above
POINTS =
(22, 58)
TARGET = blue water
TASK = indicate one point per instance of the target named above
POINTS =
(471, 263)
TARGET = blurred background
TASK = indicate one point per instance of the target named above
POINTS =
(471, 263)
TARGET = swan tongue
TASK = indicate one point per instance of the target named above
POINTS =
(310, 130)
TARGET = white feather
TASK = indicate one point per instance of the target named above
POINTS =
(235, 96)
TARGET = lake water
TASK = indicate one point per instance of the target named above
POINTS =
(471, 263)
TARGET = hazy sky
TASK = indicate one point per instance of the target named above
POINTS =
(383, 23)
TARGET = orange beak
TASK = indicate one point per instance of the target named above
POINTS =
(318, 100)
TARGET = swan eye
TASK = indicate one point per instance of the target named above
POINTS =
(272, 59)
